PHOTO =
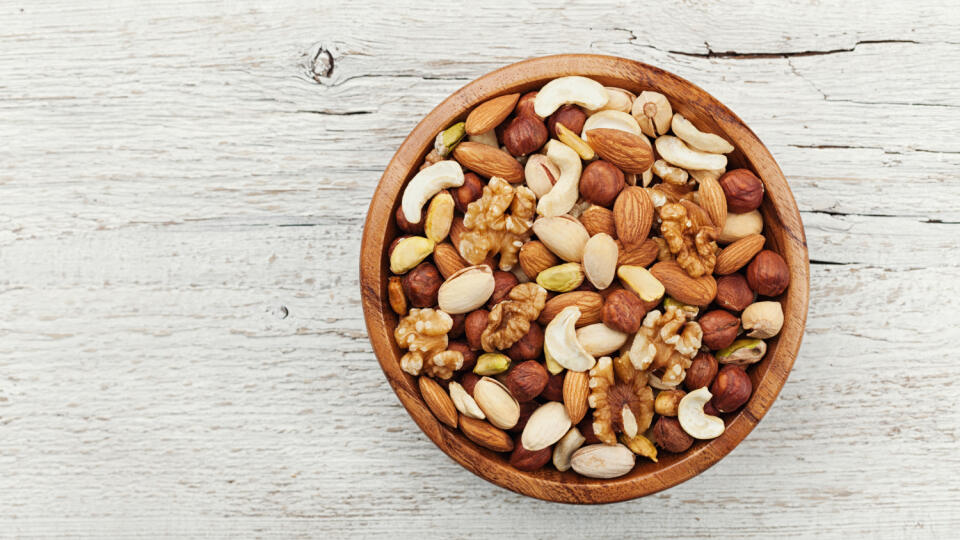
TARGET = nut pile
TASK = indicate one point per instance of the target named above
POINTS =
(570, 292)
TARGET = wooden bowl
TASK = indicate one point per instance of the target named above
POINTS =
(783, 229)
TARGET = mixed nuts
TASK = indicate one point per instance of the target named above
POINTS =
(578, 279)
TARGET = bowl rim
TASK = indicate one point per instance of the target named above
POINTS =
(769, 376)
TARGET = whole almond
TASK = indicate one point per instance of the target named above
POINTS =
(438, 401)
(683, 288)
(547, 425)
(631, 153)
(485, 434)
(488, 161)
(597, 219)
(576, 390)
(535, 258)
(490, 114)
(697, 213)
(633, 216)
(589, 302)
(738, 254)
(641, 255)
(448, 260)
(713, 200)
(600, 260)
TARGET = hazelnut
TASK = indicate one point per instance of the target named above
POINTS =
(525, 105)
(701, 372)
(668, 434)
(570, 116)
(526, 380)
(719, 328)
(768, 273)
(623, 311)
(523, 135)
(708, 408)
(526, 409)
(459, 320)
(394, 243)
(503, 282)
(601, 182)
(525, 460)
(529, 347)
(411, 228)
(731, 389)
(471, 190)
(474, 326)
(586, 429)
(469, 355)
(422, 284)
(554, 388)
(468, 381)
(668, 401)
(733, 292)
(744, 191)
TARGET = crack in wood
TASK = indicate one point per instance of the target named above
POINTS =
(787, 54)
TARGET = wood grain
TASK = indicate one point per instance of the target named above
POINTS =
(182, 188)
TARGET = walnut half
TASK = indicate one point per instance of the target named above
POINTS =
(489, 230)
(510, 319)
(423, 332)
(693, 244)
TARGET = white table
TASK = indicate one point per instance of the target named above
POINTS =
(182, 191)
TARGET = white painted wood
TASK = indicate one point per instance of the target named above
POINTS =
(182, 191)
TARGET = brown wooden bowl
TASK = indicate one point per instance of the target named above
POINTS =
(783, 229)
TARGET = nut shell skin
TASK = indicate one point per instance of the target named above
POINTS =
(570, 116)
(731, 389)
(668, 434)
(459, 321)
(601, 182)
(471, 190)
(702, 371)
(768, 274)
(526, 380)
(719, 328)
(554, 388)
(623, 311)
(415, 229)
(743, 190)
(422, 284)
(525, 105)
(525, 460)
(474, 326)
(523, 135)
(502, 283)
(733, 292)
(530, 346)
(469, 380)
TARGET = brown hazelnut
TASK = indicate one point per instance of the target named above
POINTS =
(623, 311)
(526, 409)
(768, 273)
(569, 115)
(524, 134)
(668, 434)
(529, 347)
(394, 243)
(733, 292)
(701, 372)
(468, 381)
(525, 460)
(668, 401)
(719, 328)
(601, 182)
(474, 326)
(731, 389)
(708, 408)
(586, 429)
(525, 105)
(469, 355)
(554, 388)
(471, 190)
(744, 191)
(526, 380)
(411, 228)
(503, 282)
(422, 284)
(459, 321)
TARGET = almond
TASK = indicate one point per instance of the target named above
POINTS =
(488, 161)
(490, 114)
(589, 302)
(683, 288)
(535, 258)
(631, 153)
(713, 200)
(633, 216)
(438, 401)
(597, 219)
(696, 212)
(448, 261)
(738, 254)
(485, 434)
(576, 389)
(642, 255)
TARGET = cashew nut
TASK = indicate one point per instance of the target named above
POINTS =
(565, 448)
(740, 226)
(693, 420)
(612, 120)
(676, 152)
(707, 142)
(764, 319)
(427, 183)
(540, 174)
(653, 113)
(564, 193)
(669, 173)
(560, 341)
(582, 91)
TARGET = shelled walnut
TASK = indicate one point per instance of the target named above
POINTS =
(621, 398)
(667, 343)
(693, 245)
(423, 332)
(489, 230)
(510, 320)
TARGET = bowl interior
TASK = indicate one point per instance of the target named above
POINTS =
(782, 226)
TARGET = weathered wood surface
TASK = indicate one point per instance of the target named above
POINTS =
(182, 188)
